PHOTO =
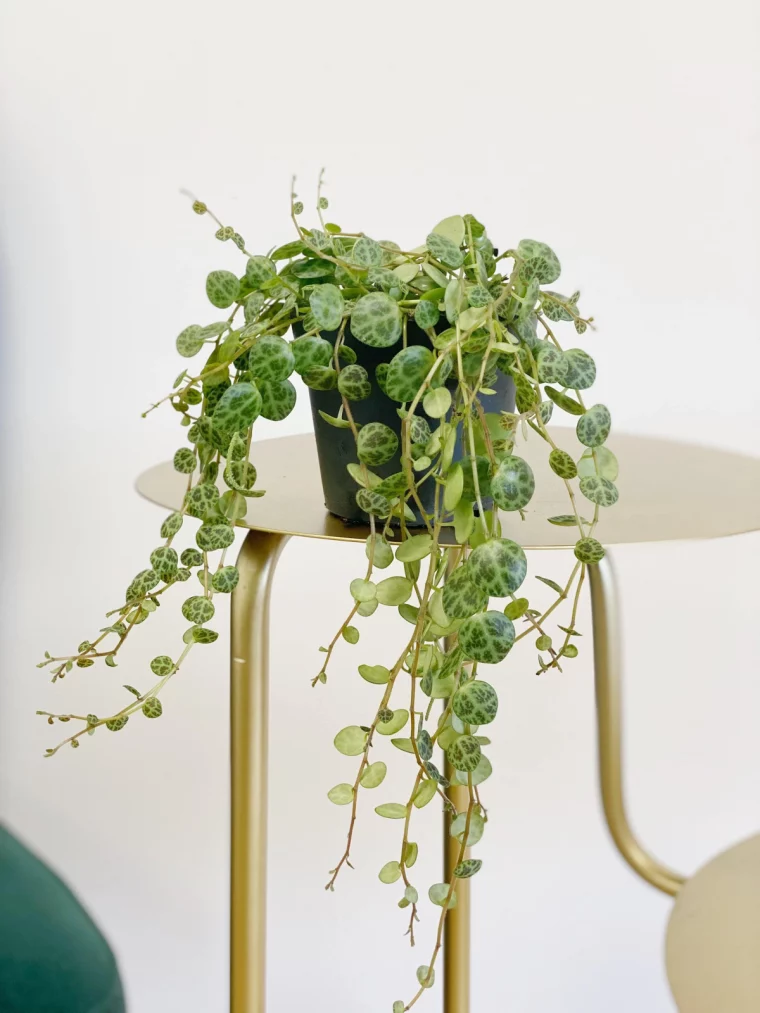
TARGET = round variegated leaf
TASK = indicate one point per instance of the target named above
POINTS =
(171, 525)
(162, 665)
(211, 537)
(552, 367)
(201, 635)
(469, 867)
(445, 250)
(366, 252)
(184, 461)
(589, 550)
(198, 610)
(327, 305)
(593, 428)
(222, 288)
(419, 429)
(513, 484)
(407, 371)
(372, 502)
(258, 270)
(461, 597)
(464, 753)
(238, 408)
(426, 314)
(555, 307)
(475, 703)
(201, 499)
(581, 369)
(487, 637)
(191, 557)
(376, 444)
(479, 295)
(164, 561)
(498, 567)
(311, 351)
(144, 582)
(271, 358)
(354, 383)
(253, 305)
(320, 378)
(562, 464)
(537, 260)
(278, 399)
(376, 320)
(226, 580)
(190, 341)
(599, 490)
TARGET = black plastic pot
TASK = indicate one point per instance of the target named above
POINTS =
(336, 447)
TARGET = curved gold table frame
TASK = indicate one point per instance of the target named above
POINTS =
(700, 493)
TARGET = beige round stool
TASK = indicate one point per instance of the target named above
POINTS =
(713, 938)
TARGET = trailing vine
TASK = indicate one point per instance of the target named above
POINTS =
(487, 315)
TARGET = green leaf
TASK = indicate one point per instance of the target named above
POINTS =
(383, 553)
(351, 740)
(391, 811)
(566, 520)
(599, 490)
(374, 775)
(598, 461)
(392, 590)
(405, 745)
(425, 793)
(593, 428)
(288, 250)
(376, 320)
(437, 402)
(464, 521)
(444, 250)
(452, 228)
(426, 976)
(357, 474)
(481, 773)
(333, 421)
(477, 826)
(439, 894)
(364, 590)
(395, 724)
(552, 584)
(469, 867)
(378, 675)
(472, 317)
(452, 493)
(410, 855)
(414, 547)
(327, 305)
(350, 634)
(563, 401)
(516, 608)
(341, 794)
(391, 871)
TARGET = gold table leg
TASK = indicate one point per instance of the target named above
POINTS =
(456, 928)
(607, 676)
(249, 745)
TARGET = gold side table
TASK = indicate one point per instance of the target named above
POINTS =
(701, 494)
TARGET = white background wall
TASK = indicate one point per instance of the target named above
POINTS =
(624, 135)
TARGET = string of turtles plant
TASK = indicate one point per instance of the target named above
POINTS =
(484, 313)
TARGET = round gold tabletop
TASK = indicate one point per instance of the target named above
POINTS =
(668, 491)
(713, 941)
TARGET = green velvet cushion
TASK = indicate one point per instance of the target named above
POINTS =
(53, 959)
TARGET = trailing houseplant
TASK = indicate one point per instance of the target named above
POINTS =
(469, 366)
